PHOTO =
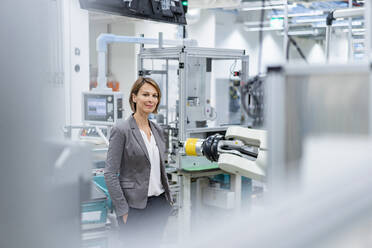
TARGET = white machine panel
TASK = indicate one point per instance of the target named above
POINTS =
(217, 197)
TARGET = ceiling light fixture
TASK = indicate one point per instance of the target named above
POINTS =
(312, 13)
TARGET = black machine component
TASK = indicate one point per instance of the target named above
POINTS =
(234, 96)
(119, 108)
(210, 147)
(169, 11)
(252, 96)
(216, 144)
(247, 151)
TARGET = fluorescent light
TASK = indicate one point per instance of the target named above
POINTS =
(304, 32)
(339, 24)
(262, 29)
(359, 30)
(261, 8)
(256, 23)
(356, 31)
(258, 6)
(312, 13)
(357, 41)
(276, 22)
(356, 23)
(310, 20)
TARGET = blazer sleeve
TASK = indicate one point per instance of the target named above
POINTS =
(112, 169)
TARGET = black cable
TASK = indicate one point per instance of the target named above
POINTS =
(290, 39)
(247, 89)
(232, 68)
(184, 31)
(288, 46)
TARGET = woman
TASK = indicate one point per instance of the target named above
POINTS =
(140, 193)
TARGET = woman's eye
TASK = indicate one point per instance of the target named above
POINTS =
(155, 96)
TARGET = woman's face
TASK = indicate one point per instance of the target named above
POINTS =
(146, 99)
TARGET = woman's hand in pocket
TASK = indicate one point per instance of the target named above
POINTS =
(125, 218)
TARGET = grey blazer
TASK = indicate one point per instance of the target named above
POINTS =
(128, 156)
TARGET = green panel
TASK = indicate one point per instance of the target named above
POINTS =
(191, 163)
(98, 205)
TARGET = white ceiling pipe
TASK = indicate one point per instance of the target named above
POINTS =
(104, 39)
(343, 13)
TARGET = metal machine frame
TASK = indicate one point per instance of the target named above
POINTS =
(182, 54)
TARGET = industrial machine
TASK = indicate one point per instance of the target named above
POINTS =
(252, 99)
(101, 108)
(199, 96)
(240, 151)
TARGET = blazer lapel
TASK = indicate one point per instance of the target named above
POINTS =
(158, 141)
(137, 134)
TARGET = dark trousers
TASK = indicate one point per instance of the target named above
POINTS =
(145, 227)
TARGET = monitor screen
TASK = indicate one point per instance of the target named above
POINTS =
(96, 106)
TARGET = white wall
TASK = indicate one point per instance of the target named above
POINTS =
(316, 54)
(204, 30)
(151, 29)
(339, 48)
(95, 29)
(76, 36)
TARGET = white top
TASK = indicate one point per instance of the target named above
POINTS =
(155, 185)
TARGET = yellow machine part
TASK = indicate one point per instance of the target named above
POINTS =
(190, 146)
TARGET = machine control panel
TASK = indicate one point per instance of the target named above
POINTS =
(102, 107)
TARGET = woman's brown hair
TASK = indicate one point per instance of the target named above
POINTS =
(137, 86)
